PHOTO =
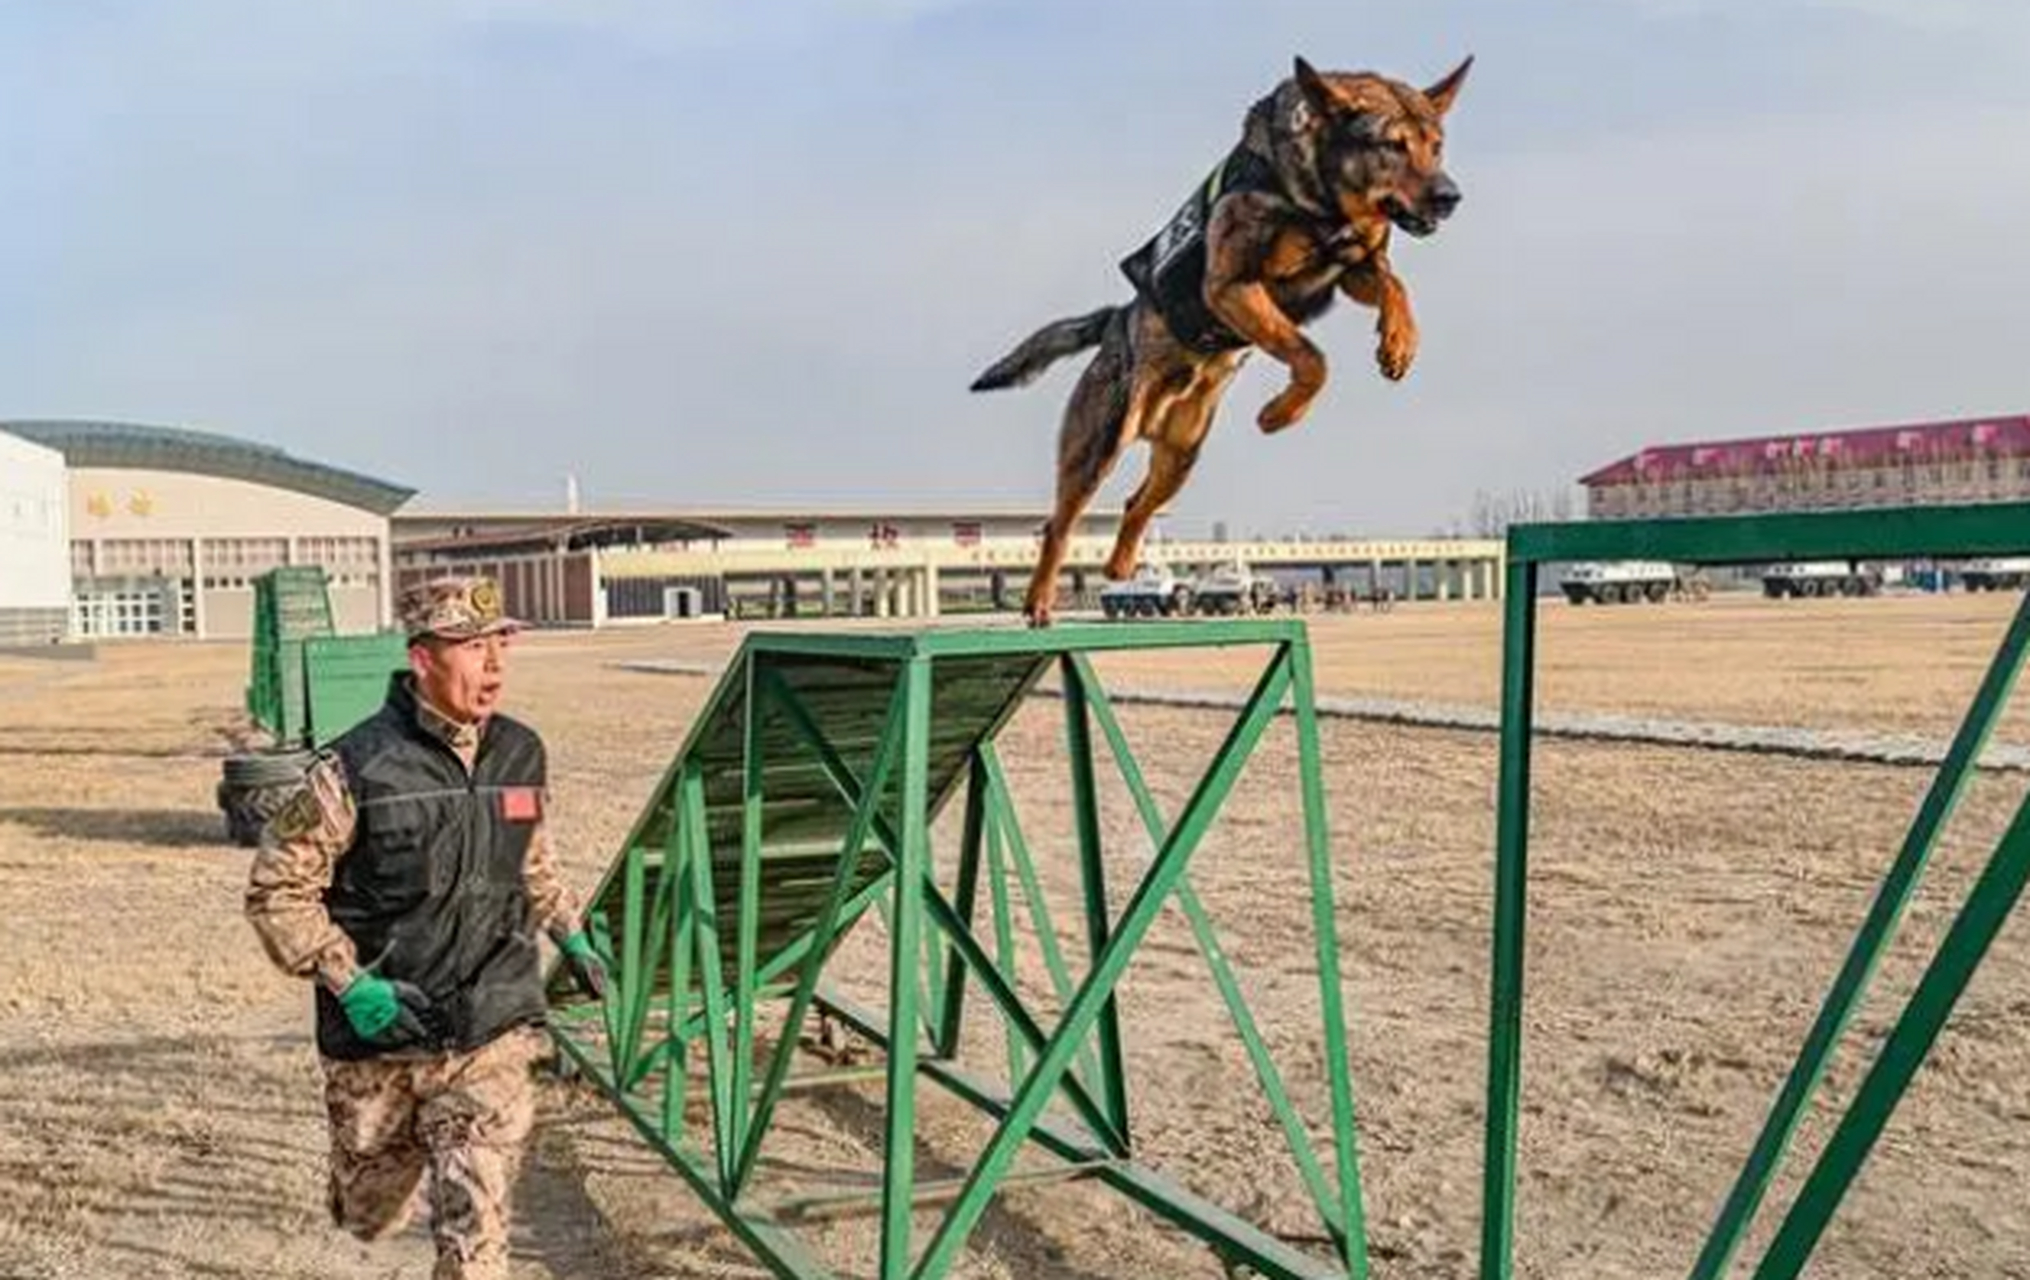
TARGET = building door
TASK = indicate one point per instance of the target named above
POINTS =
(120, 607)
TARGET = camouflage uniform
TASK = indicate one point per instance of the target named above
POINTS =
(461, 1117)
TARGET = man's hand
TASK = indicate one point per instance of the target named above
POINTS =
(384, 1012)
(586, 967)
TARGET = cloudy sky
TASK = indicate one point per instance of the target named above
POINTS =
(722, 252)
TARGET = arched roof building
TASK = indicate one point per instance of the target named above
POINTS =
(168, 527)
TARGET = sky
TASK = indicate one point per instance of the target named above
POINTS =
(723, 253)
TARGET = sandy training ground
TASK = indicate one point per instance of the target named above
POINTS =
(159, 1110)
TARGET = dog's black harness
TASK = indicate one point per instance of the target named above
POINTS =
(1168, 271)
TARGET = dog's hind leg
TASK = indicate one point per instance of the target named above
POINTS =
(1098, 424)
(1176, 433)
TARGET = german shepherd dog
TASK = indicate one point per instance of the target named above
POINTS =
(1297, 213)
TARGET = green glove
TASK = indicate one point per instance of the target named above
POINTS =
(586, 966)
(375, 1006)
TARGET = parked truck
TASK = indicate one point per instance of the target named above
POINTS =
(1233, 588)
(1631, 582)
(2003, 573)
(1808, 578)
(1153, 591)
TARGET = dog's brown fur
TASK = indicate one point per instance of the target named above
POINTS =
(1352, 155)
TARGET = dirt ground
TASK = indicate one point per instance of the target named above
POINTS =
(158, 1090)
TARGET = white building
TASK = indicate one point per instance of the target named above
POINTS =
(34, 543)
(168, 528)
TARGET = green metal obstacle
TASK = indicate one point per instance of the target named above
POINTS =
(306, 682)
(291, 605)
(306, 685)
(1943, 533)
(802, 801)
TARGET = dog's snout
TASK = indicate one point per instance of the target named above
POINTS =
(1443, 195)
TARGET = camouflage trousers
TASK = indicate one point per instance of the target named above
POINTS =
(461, 1119)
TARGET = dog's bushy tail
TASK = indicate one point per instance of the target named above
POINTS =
(1045, 347)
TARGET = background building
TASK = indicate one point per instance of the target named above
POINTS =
(591, 569)
(579, 569)
(168, 528)
(34, 550)
(1968, 460)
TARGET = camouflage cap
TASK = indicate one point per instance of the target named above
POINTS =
(456, 608)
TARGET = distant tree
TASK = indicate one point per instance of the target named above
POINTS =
(1492, 513)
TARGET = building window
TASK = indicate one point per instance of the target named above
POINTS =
(144, 557)
(347, 562)
(249, 557)
(118, 611)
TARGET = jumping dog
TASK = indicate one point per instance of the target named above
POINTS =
(1298, 212)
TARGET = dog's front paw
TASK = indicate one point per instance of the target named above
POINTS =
(1397, 350)
(1287, 409)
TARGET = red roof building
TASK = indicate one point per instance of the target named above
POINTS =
(1968, 460)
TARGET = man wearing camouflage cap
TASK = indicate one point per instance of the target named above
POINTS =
(408, 880)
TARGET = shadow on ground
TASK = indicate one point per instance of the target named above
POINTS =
(154, 828)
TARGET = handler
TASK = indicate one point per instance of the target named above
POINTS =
(408, 880)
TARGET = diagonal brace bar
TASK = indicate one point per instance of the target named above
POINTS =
(942, 913)
(1215, 957)
(1897, 886)
(1111, 963)
(821, 933)
(1987, 908)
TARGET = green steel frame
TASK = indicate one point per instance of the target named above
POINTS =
(1935, 532)
(803, 797)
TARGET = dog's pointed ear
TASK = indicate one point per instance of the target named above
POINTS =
(1321, 96)
(1442, 93)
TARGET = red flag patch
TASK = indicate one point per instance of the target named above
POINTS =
(521, 804)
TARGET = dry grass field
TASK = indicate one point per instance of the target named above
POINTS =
(158, 1090)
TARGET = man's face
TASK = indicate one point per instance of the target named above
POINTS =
(462, 678)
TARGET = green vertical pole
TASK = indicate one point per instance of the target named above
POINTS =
(1324, 923)
(1093, 865)
(1986, 910)
(1869, 944)
(1504, 1075)
(898, 1184)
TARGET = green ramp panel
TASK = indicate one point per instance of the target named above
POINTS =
(345, 679)
(1908, 533)
(802, 799)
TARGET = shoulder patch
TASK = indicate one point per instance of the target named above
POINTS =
(299, 817)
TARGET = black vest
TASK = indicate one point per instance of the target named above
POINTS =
(1168, 271)
(431, 891)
